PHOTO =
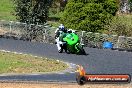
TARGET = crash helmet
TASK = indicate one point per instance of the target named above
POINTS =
(62, 28)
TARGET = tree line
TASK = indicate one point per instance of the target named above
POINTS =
(87, 15)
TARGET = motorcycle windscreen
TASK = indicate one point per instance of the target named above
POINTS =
(71, 39)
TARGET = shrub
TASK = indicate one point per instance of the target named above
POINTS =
(88, 15)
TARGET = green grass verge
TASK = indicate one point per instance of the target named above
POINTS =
(7, 10)
(16, 63)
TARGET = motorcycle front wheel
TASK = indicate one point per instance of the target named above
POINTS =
(81, 50)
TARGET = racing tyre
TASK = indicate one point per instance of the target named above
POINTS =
(82, 51)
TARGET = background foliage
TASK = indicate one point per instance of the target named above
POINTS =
(32, 11)
(120, 25)
(88, 15)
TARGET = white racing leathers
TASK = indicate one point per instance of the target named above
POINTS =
(58, 43)
(57, 39)
(57, 33)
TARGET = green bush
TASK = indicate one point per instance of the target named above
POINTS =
(88, 15)
(32, 11)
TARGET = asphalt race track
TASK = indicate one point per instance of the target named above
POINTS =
(98, 61)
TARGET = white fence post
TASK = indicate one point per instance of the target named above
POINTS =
(10, 28)
(82, 36)
(115, 40)
(120, 38)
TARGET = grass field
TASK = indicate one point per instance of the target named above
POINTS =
(6, 10)
(16, 63)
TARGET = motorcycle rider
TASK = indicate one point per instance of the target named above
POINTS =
(60, 33)
(59, 30)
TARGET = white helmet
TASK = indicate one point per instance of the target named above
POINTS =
(61, 27)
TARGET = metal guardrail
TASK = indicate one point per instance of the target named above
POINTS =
(45, 33)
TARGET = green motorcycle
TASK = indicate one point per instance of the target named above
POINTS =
(73, 44)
